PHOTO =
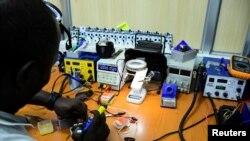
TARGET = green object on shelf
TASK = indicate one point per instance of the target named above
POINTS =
(123, 26)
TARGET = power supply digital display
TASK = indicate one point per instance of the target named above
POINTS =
(107, 68)
(185, 72)
(220, 87)
(222, 80)
(173, 70)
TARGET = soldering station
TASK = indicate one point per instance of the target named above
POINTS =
(117, 58)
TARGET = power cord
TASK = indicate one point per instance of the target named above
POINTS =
(185, 116)
(214, 108)
(174, 132)
(62, 87)
(121, 75)
(197, 85)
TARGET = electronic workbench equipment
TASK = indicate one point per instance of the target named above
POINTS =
(180, 66)
(120, 38)
(85, 66)
(181, 74)
(240, 67)
(110, 70)
(156, 62)
(219, 83)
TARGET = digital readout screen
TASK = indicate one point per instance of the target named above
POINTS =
(222, 81)
(220, 87)
(107, 68)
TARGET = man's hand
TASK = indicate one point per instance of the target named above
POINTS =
(98, 130)
(70, 108)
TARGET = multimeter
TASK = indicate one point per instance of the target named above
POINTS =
(240, 67)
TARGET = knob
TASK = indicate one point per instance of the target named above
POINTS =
(225, 94)
(182, 89)
(217, 93)
(81, 76)
(181, 83)
(238, 90)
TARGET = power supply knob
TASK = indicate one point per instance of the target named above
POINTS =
(217, 93)
(238, 90)
(225, 94)
(180, 83)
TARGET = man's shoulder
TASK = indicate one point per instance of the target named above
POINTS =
(12, 130)
(14, 133)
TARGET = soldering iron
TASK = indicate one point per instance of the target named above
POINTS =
(78, 130)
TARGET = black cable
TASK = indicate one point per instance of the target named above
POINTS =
(82, 82)
(62, 85)
(71, 90)
(174, 132)
(197, 84)
(53, 86)
(185, 116)
(214, 108)
(121, 76)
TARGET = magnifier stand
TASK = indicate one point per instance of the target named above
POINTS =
(138, 93)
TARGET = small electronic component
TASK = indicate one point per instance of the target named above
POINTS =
(121, 122)
(107, 98)
(45, 127)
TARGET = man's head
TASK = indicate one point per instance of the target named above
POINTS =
(29, 36)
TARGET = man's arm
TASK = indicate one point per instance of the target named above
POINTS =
(75, 108)
(64, 107)
(41, 98)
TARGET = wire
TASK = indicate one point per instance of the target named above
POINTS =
(117, 65)
(62, 85)
(121, 76)
(214, 108)
(186, 115)
(197, 85)
(53, 86)
(71, 90)
(82, 82)
(174, 132)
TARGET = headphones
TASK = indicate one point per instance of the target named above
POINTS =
(57, 14)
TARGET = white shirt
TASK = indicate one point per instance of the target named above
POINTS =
(12, 128)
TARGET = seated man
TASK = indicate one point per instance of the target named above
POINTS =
(29, 36)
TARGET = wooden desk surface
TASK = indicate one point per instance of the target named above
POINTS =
(153, 120)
